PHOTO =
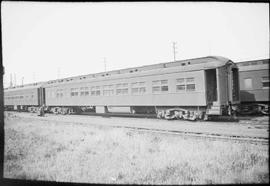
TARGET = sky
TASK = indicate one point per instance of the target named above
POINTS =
(43, 41)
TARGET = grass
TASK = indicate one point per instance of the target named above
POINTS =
(55, 151)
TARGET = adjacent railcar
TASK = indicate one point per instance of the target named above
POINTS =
(254, 86)
(24, 98)
(190, 88)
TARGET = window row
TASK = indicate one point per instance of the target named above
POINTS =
(19, 97)
(136, 88)
(248, 82)
(108, 90)
(185, 84)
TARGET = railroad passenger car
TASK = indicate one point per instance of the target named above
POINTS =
(254, 86)
(191, 88)
(24, 98)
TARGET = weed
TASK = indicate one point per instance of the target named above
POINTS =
(58, 151)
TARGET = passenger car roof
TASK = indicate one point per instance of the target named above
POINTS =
(23, 87)
(254, 65)
(181, 65)
(201, 63)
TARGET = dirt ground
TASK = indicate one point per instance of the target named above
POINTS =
(93, 149)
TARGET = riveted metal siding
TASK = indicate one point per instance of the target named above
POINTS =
(257, 92)
(171, 98)
(25, 101)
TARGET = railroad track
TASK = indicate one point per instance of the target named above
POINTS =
(118, 115)
(196, 134)
(220, 118)
(211, 136)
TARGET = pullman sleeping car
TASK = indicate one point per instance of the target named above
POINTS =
(188, 89)
(24, 98)
(254, 86)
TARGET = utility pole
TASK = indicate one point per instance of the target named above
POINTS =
(34, 77)
(58, 73)
(15, 83)
(22, 80)
(10, 80)
(104, 64)
(210, 47)
(174, 51)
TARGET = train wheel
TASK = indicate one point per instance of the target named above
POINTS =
(265, 111)
(193, 117)
(247, 110)
(205, 117)
(177, 114)
(160, 114)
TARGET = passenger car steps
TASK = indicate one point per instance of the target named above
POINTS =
(215, 109)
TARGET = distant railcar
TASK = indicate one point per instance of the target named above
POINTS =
(254, 86)
(24, 98)
(189, 89)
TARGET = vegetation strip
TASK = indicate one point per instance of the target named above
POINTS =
(71, 152)
(264, 141)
